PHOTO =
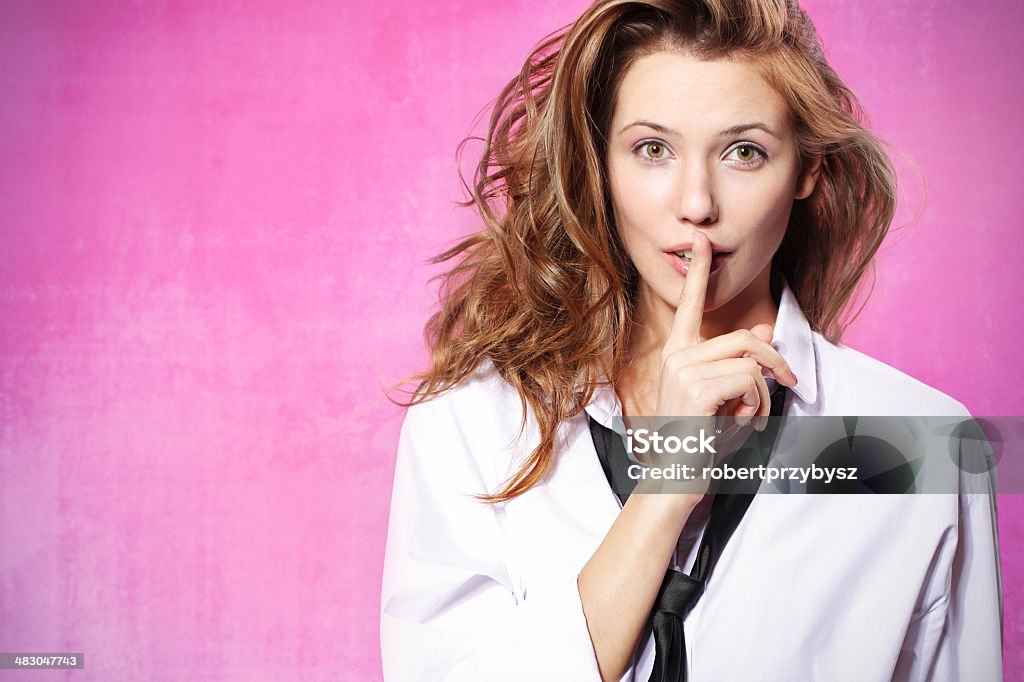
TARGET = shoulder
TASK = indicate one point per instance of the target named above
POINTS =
(473, 426)
(480, 401)
(855, 383)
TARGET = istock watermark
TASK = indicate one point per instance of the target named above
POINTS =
(652, 441)
(840, 454)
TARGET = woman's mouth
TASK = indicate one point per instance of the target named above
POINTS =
(681, 260)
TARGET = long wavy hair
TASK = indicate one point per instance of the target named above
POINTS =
(545, 289)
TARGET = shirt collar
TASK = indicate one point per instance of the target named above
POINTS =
(793, 339)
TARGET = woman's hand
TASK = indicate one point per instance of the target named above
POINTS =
(700, 378)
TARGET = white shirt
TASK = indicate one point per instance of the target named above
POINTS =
(809, 587)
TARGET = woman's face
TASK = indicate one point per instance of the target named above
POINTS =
(702, 146)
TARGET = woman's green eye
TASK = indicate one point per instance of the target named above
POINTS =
(655, 150)
(748, 155)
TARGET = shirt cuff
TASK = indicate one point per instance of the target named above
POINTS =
(545, 636)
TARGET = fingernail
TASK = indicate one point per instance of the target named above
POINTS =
(785, 377)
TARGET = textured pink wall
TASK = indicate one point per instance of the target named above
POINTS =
(212, 222)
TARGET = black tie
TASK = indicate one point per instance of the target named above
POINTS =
(679, 592)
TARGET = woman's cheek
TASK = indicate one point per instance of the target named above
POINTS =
(766, 207)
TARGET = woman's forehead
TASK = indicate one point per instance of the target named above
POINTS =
(691, 96)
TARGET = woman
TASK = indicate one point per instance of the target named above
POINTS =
(679, 203)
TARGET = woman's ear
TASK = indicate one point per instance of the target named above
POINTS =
(808, 178)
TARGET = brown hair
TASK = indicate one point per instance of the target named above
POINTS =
(545, 289)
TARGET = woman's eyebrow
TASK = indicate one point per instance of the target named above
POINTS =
(649, 124)
(743, 127)
(733, 130)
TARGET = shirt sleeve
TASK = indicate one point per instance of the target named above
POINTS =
(966, 622)
(450, 609)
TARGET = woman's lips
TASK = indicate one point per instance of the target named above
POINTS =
(683, 266)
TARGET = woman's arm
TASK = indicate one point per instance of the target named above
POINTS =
(619, 584)
(959, 633)
(450, 609)
(971, 642)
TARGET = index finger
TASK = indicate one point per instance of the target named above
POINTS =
(690, 309)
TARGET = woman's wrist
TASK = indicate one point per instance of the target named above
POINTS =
(671, 505)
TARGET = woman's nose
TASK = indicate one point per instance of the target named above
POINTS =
(696, 200)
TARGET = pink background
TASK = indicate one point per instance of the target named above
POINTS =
(213, 219)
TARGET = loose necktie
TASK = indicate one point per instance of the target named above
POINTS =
(679, 592)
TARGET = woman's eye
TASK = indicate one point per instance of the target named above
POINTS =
(748, 154)
(653, 151)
